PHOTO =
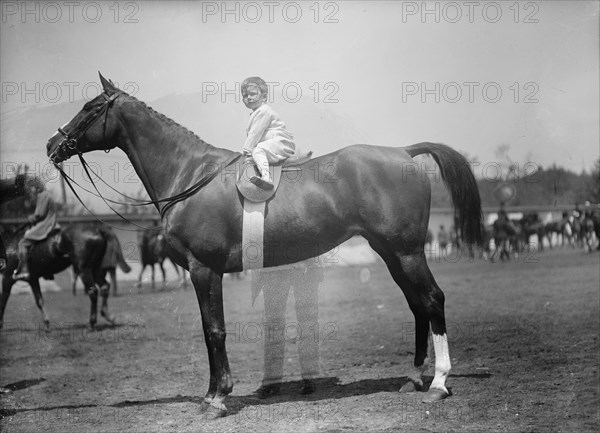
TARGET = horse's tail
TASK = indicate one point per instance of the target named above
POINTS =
(113, 255)
(458, 178)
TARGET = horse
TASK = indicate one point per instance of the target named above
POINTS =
(591, 229)
(153, 251)
(571, 230)
(80, 247)
(113, 257)
(553, 228)
(505, 235)
(532, 225)
(377, 192)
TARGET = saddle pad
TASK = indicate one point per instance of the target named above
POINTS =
(252, 235)
(250, 191)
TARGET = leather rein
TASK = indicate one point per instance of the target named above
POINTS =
(70, 142)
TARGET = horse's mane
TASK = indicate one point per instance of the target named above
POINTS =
(170, 121)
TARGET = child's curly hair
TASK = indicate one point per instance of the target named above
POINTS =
(256, 81)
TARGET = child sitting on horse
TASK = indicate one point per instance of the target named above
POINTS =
(268, 139)
(43, 221)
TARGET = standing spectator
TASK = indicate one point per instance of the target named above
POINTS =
(303, 278)
(443, 238)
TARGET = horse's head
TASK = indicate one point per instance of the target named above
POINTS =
(93, 128)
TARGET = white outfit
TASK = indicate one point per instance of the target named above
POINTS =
(268, 139)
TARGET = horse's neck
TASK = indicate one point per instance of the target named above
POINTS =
(167, 157)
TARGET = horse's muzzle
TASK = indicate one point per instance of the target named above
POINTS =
(57, 151)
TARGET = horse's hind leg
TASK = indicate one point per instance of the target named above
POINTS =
(104, 292)
(113, 280)
(153, 285)
(39, 300)
(426, 301)
(162, 269)
(74, 276)
(92, 291)
(138, 285)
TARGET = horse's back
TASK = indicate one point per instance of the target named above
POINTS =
(47, 257)
(86, 245)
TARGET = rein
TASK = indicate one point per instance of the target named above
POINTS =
(70, 141)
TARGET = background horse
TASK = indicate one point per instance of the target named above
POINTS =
(380, 193)
(113, 257)
(591, 229)
(571, 231)
(505, 236)
(80, 247)
(552, 229)
(531, 224)
(153, 251)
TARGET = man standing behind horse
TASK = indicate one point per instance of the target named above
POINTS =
(43, 221)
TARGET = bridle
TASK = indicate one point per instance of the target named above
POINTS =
(70, 142)
(70, 138)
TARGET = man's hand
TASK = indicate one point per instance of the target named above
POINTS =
(247, 152)
(2, 265)
(32, 219)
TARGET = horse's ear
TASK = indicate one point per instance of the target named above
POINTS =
(107, 85)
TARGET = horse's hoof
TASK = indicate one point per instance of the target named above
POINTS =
(435, 394)
(213, 410)
(91, 327)
(410, 386)
(109, 318)
(47, 325)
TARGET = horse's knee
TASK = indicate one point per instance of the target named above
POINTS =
(216, 336)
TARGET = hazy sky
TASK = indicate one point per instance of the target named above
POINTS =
(473, 75)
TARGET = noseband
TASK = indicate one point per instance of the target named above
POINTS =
(70, 138)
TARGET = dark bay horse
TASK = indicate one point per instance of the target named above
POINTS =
(154, 251)
(531, 224)
(80, 247)
(380, 193)
(113, 257)
(506, 234)
(551, 229)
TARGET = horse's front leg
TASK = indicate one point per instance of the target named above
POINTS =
(7, 283)
(209, 290)
(39, 300)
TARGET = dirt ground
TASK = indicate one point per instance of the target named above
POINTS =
(523, 345)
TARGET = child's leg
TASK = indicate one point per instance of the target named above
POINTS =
(262, 163)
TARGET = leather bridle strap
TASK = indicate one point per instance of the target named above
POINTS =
(196, 187)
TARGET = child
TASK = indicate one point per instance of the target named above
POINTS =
(268, 139)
